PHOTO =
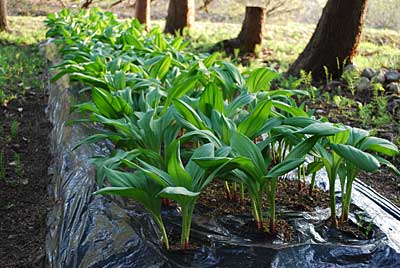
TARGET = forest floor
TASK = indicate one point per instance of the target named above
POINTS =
(24, 150)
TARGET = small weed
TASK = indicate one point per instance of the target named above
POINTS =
(364, 225)
(306, 78)
(351, 77)
(14, 129)
(375, 113)
(2, 166)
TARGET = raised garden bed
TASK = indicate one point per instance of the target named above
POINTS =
(252, 147)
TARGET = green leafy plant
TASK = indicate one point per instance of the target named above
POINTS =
(356, 158)
(258, 172)
(182, 183)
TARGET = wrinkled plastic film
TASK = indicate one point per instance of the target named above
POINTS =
(105, 231)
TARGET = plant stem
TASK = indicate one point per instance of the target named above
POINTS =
(256, 214)
(242, 192)
(228, 190)
(187, 214)
(234, 187)
(160, 224)
(332, 198)
(346, 201)
(299, 179)
(312, 184)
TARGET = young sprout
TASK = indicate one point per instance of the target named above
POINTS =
(14, 129)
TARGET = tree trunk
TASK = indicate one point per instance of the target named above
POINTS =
(250, 35)
(180, 16)
(3, 16)
(143, 11)
(252, 31)
(335, 40)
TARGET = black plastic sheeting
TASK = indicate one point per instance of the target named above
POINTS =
(102, 231)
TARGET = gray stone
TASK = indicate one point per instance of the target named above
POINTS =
(394, 88)
(363, 84)
(380, 76)
(350, 68)
(369, 73)
(392, 76)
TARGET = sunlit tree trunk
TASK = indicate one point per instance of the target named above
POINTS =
(335, 40)
(251, 34)
(252, 31)
(143, 12)
(3, 16)
(180, 16)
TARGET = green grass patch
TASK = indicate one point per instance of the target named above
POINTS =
(21, 64)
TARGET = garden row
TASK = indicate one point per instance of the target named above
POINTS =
(179, 120)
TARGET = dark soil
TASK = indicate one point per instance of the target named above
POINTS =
(384, 182)
(349, 229)
(24, 201)
(214, 202)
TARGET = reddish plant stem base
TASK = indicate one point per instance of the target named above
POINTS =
(165, 202)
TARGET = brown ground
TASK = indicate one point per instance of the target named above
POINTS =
(23, 190)
(214, 202)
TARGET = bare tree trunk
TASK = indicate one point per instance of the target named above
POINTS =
(3, 16)
(143, 11)
(180, 16)
(335, 40)
(250, 36)
(87, 4)
(252, 31)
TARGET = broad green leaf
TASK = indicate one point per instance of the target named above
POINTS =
(284, 167)
(260, 79)
(303, 148)
(239, 102)
(356, 157)
(380, 146)
(189, 114)
(256, 119)
(211, 99)
(176, 170)
(299, 121)
(294, 111)
(321, 129)
(243, 146)
(314, 167)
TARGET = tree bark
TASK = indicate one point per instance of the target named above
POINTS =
(143, 11)
(250, 36)
(180, 16)
(252, 30)
(3, 16)
(335, 40)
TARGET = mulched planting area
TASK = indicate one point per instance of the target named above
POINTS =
(24, 200)
(213, 202)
